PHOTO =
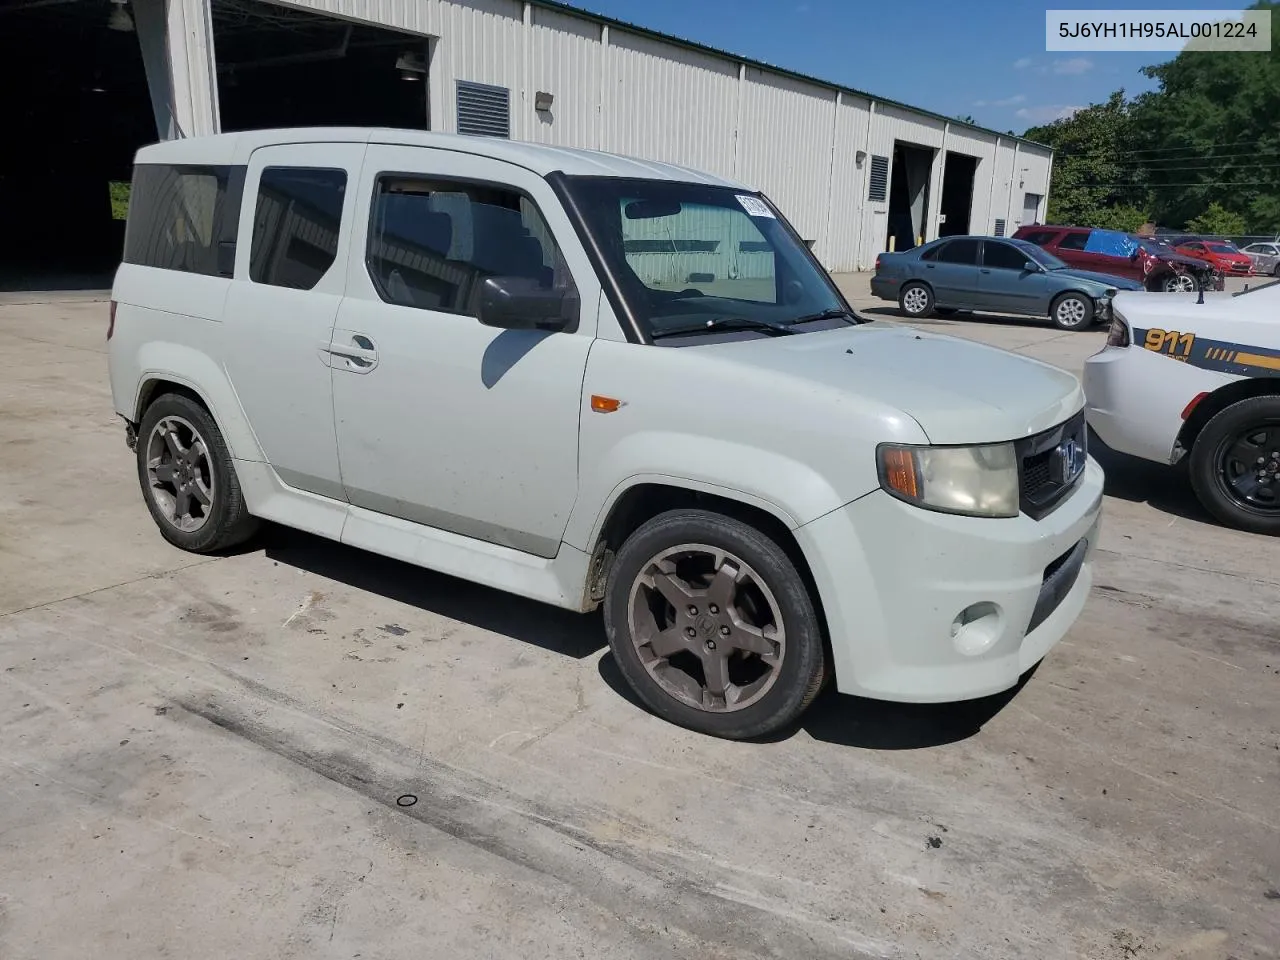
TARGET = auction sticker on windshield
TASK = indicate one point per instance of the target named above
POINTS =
(754, 206)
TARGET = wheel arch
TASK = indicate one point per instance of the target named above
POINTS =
(181, 369)
(1217, 401)
(641, 501)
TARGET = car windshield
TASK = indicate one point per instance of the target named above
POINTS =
(1040, 255)
(1219, 246)
(690, 257)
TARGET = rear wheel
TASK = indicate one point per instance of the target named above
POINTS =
(712, 626)
(916, 300)
(1071, 311)
(187, 477)
(1276, 271)
(1235, 465)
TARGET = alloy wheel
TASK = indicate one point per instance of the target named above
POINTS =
(1249, 468)
(706, 627)
(915, 300)
(179, 474)
(1071, 312)
(1180, 283)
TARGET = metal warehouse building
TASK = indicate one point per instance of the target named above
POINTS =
(85, 82)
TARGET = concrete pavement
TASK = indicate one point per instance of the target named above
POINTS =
(301, 750)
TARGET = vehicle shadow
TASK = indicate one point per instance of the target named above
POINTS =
(550, 628)
(1158, 485)
(849, 721)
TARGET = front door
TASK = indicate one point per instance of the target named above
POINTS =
(291, 267)
(440, 420)
(1006, 285)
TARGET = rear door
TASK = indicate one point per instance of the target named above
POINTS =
(953, 273)
(290, 274)
(1006, 285)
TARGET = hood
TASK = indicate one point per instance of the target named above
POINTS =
(1106, 279)
(1183, 259)
(957, 390)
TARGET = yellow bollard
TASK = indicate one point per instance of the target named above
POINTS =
(893, 244)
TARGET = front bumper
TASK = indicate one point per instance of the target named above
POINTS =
(895, 580)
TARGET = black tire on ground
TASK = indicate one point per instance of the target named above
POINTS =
(1211, 464)
(915, 299)
(1276, 271)
(1071, 311)
(227, 520)
(801, 670)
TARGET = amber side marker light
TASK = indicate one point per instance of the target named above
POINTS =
(601, 404)
(1191, 407)
(900, 473)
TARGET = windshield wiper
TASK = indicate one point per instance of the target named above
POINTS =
(834, 313)
(726, 323)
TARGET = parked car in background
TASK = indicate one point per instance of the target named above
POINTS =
(622, 421)
(1201, 380)
(1265, 257)
(1148, 260)
(1224, 255)
(995, 275)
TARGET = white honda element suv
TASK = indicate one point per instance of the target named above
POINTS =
(593, 380)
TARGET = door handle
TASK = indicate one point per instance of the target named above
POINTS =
(360, 353)
(984, 270)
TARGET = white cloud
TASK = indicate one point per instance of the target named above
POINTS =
(1047, 113)
(1022, 63)
(1006, 102)
(1073, 65)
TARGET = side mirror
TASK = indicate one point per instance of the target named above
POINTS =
(522, 303)
(1031, 266)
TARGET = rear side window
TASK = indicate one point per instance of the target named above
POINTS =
(1040, 237)
(184, 218)
(432, 244)
(295, 226)
(1074, 241)
(959, 251)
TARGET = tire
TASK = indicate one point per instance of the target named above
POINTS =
(915, 300)
(1179, 283)
(1071, 311)
(1227, 444)
(1275, 272)
(183, 460)
(673, 657)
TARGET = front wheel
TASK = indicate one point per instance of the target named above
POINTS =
(916, 300)
(1072, 311)
(1235, 465)
(1179, 283)
(712, 626)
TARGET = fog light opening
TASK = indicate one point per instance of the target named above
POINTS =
(976, 628)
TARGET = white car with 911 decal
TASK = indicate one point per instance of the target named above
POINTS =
(1197, 377)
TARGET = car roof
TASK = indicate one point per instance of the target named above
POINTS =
(235, 148)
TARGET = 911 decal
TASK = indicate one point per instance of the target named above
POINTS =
(1175, 344)
(1237, 359)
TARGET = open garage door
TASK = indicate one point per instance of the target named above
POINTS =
(282, 67)
(909, 195)
(956, 208)
(73, 94)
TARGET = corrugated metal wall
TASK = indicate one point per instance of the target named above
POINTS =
(627, 93)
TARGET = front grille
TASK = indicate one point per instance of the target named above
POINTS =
(1041, 487)
(1240, 267)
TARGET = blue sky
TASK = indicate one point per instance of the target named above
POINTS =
(984, 58)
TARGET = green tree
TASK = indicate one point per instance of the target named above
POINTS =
(1093, 168)
(967, 118)
(1217, 221)
(1123, 217)
(1212, 134)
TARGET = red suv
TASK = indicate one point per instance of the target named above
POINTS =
(1150, 261)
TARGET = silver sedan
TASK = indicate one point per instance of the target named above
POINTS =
(1265, 257)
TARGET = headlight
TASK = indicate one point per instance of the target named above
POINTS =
(979, 481)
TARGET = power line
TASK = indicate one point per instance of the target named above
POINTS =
(1159, 186)
(1193, 149)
